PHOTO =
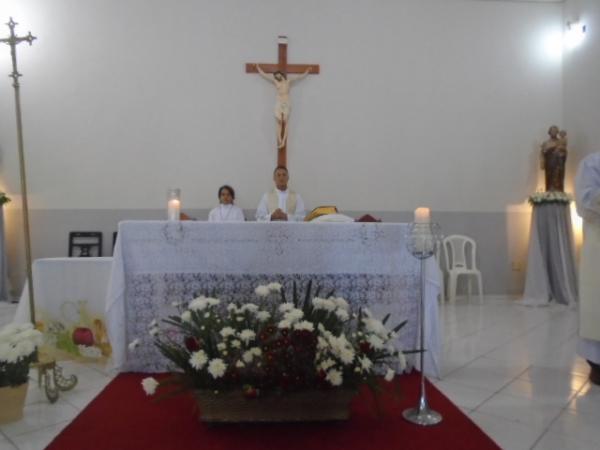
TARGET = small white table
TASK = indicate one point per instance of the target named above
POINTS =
(70, 296)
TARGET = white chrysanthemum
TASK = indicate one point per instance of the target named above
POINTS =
(201, 303)
(217, 368)
(236, 344)
(221, 346)
(274, 287)
(186, 316)
(325, 365)
(213, 301)
(232, 308)
(4, 351)
(239, 319)
(247, 335)
(256, 351)
(263, 316)
(347, 355)
(153, 324)
(324, 304)
(250, 307)
(375, 341)
(240, 364)
(376, 327)
(365, 363)
(402, 361)
(284, 324)
(285, 307)
(304, 325)
(294, 315)
(154, 331)
(198, 359)
(25, 348)
(334, 377)
(342, 314)
(198, 304)
(226, 332)
(149, 384)
(262, 291)
(389, 375)
(134, 344)
(248, 356)
(341, 348)
(341, 303)
(175, 304)
(322, 343)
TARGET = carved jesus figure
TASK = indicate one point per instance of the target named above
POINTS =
(282, 101)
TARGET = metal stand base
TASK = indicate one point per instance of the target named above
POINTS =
(51, 377)
(424, 417)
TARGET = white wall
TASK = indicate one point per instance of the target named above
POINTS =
(419, 102)
(582, 81)
(435, 102)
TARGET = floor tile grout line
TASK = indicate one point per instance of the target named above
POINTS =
(40, 429)
(563, 409)
(10, 441)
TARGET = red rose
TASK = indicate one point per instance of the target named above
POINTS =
(365, 347)
(192, 344)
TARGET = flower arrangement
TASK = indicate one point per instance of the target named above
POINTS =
(3, 198)
(275, 345)
(540, 198)
(18, 348)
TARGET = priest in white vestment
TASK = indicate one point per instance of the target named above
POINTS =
(281, 203)
(587, 189)
(226, 211)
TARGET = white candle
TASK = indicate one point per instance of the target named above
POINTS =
(422, 215)
(173, 207)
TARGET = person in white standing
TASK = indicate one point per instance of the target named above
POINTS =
(226, 211)
(281, 203)
(587, 191)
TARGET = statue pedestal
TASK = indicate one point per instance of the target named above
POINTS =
(551, 274)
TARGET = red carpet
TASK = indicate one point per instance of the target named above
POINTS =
(122, 417)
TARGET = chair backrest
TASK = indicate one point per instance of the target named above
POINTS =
(85, 243)
(460, 252)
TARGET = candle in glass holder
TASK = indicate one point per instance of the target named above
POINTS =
(173, 204)
(422, 215)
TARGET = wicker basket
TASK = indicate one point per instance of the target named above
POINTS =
(302, 406)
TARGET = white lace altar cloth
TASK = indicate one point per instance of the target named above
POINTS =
(157, 263)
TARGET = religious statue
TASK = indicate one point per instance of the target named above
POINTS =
(282, 102)
(553, 157)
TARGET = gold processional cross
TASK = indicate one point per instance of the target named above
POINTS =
(278, 75)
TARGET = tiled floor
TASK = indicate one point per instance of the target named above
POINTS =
(513, 369)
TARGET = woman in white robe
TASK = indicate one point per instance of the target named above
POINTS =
(226, 211)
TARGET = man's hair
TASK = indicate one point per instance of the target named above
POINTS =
(227, 188)
(280, 73)
(282, 168)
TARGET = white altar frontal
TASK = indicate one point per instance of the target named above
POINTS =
(157, 263)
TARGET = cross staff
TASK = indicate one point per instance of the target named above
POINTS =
(13, 40)
(278, 75)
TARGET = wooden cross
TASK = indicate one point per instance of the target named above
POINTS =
(283, 67)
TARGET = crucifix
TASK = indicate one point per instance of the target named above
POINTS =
(278, 75)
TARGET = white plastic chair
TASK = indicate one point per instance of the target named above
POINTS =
(461, 253)
(438, 261)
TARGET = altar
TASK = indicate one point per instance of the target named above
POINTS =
(157, 263)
